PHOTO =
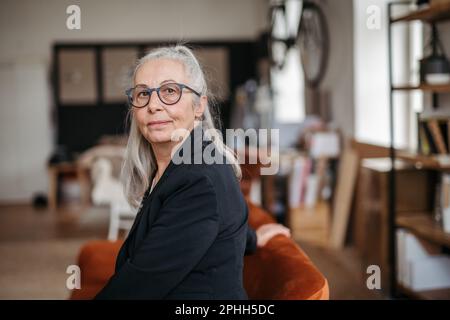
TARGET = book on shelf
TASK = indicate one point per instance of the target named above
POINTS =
(424, 144)
(312, 190)
(428, 140)
(437, 135)
(298, 180)
(433, 136)
(443, 128)
(307, 181)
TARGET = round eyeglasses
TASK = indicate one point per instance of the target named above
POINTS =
(169, 94)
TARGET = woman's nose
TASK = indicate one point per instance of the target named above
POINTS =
(154, 104)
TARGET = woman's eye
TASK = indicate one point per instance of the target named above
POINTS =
(143, 94)
(169, 91)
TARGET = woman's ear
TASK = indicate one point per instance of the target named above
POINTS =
(198, 112)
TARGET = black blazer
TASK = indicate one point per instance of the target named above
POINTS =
(188, 239)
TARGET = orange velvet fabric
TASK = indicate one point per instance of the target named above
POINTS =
(97, 260)
(280, 270)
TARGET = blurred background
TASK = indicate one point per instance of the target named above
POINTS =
(359, 90)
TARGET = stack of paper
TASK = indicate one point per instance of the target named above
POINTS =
(419, 265)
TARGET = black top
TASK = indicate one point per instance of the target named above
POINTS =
(189, 238)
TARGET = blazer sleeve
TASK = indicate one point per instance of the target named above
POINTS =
(186, 226)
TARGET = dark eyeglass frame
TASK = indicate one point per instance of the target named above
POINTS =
(150, 91)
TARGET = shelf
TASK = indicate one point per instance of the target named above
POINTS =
(444, 88)
(423, 226)
(421, 161)
(435, 13)
(420, 224)
(438, 294)
(438, 117)
(384, 165)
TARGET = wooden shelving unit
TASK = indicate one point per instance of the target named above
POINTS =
(422, 161)
(424, 87)
(420, 224)
(423, 226)
(432, 14)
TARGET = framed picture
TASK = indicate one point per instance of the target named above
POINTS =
(117, 68)
(215, 63)
(77, 76)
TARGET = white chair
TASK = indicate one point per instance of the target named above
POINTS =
(108, 190)
(121, 217)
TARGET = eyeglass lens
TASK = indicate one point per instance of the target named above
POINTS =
(168, 94)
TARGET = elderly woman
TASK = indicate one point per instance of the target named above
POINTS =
(191, 231)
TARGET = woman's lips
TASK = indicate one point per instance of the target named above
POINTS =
(158, 123)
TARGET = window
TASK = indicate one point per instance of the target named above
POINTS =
(288, 84)
(372, 78)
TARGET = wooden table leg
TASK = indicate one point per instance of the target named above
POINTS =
(52, 188)
(84, 181)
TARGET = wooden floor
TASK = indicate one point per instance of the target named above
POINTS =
(37, 246)
(344, 272)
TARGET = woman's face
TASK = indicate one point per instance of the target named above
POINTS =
(158, 121)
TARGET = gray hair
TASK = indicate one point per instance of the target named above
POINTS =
(140, 164)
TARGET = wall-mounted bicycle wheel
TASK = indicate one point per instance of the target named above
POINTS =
(278, 35)
(313, 41)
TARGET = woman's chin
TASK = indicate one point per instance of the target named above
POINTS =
(159, 137)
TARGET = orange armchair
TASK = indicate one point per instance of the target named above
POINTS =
(279, 270)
